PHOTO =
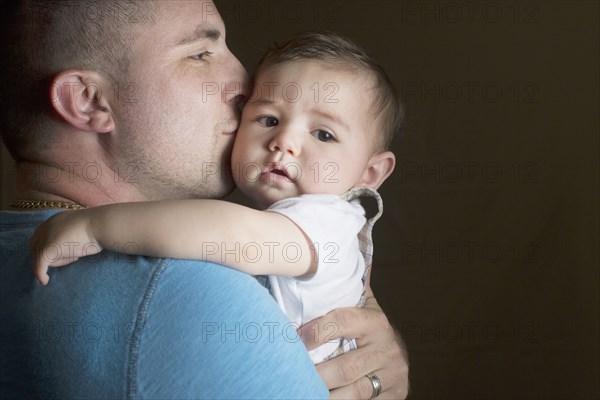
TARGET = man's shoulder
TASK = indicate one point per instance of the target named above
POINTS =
(215, 291)
(167, 293)
(212, 315)
(170, 272)
(117, 326)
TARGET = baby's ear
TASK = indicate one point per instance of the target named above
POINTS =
(379, 167)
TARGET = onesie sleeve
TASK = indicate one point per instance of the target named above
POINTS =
(330, 223)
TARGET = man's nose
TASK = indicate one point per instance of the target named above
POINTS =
(236, 87)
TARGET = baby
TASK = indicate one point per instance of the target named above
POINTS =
(312, 139)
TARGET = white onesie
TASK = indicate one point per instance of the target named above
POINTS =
(332, 224)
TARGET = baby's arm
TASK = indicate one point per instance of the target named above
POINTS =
(211, 230)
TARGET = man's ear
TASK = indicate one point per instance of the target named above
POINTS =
(379, 167)
(77, 97)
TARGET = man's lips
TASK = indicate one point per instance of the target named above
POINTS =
(230, 127)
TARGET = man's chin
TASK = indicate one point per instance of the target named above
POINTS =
(228, 190)
(220, 187)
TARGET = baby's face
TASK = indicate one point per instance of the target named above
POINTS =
(305, 129)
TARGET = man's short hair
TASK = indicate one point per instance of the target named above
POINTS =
(39, 39)
(341, 51)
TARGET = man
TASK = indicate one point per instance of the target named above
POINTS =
(134, 101)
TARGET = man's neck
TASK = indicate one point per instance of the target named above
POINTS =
(90, 186)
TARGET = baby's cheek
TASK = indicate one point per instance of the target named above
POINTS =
(238, 153)
(244, 168)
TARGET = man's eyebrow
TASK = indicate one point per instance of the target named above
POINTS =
(201, 33)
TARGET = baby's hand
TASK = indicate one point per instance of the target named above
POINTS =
(61, 240)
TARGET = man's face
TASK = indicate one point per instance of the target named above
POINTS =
(305, 129)
(176, 113)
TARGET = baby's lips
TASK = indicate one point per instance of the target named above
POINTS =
(281, 169)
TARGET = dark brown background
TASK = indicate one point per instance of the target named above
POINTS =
(487, 255)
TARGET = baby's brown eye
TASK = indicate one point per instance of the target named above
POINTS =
(323, 136)
(268, 121)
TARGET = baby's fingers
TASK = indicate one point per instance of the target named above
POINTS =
(42, 262)
(40, 268)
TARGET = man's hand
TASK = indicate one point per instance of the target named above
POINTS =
(62, 239)
(380, 351)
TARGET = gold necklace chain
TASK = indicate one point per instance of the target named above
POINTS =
(69, 205)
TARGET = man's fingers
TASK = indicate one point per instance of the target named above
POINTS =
(343, 322)
(380, 349)
(363, 388)
(350, 367)
(332, 325)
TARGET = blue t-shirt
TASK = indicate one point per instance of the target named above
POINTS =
(117, 326)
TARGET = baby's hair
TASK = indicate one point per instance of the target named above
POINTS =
(334, 48)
